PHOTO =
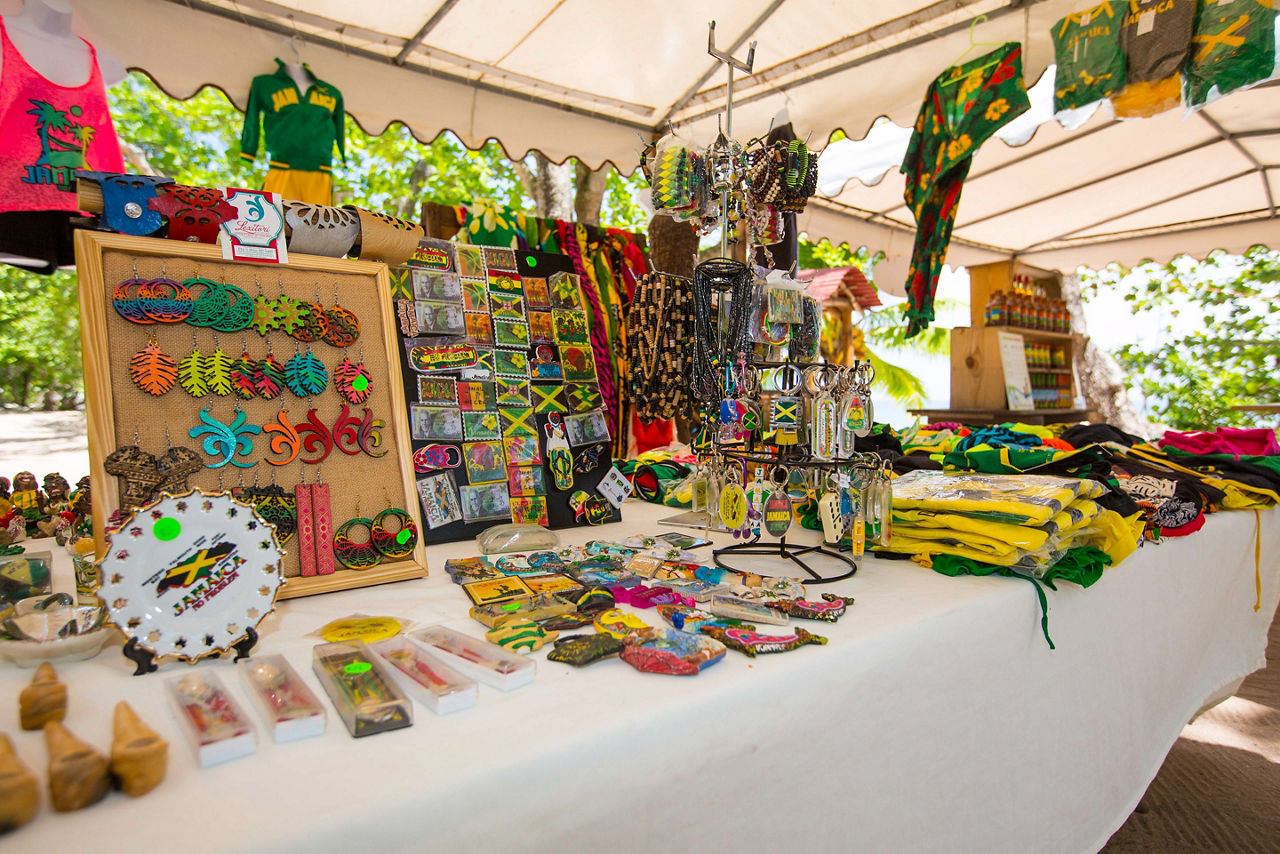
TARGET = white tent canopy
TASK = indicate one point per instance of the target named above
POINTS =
(596, 79)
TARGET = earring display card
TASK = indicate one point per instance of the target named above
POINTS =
(281, 376)
(483, 393)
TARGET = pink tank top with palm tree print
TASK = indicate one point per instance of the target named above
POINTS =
(47, 132)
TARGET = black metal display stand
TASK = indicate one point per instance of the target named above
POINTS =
(145, 659)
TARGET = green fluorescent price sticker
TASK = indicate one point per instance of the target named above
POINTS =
(167, 529)
(355, 668)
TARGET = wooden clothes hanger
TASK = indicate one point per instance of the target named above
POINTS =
(972, 45)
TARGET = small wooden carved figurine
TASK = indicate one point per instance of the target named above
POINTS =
(138, 754)
(28, 500)
(44, 700)
(78, 773)
(19, 792)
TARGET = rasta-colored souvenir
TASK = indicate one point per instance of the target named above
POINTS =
(165, 301)
(752, 644)
(558, 454)
(671, 652)
(581, 650)
(351, 554)
(777, 512)
(434, 457)
(153, 370)
(522, 637)
(829, 610)
(588, 459)
(344, 327)
(313, 323)
(126, 304)
(275, 505)
(352, 380)
(594, 600)
(593, 508)
(305, 374)
(192, 374)
(242, 376)
(525, 609)
(226, 440)
(395, 544)
(266, 314)
(620, 624)
(268, 378)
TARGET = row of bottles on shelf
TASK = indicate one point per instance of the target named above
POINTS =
(1051, 391)
(1028, 306)
(1044, 356)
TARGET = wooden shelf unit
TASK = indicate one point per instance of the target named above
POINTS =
(977, 375)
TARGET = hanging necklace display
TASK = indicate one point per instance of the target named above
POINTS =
(777, 507)
(305, 374)
(153, 370)
(190, 576)
(352, 380)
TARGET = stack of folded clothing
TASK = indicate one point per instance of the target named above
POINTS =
(1026, 523)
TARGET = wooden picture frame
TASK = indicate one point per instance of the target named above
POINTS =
(119, 413)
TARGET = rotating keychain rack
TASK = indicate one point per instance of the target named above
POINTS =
(778, 460)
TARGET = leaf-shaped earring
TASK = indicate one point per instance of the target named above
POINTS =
(217, 372)
(268, 377)
(305, 374)
(242, 374)
(344, 326)
(191, 372)
(153, 370)
(352, 380)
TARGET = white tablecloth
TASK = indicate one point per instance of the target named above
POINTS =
(935, 719)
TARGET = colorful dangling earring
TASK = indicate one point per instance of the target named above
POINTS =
(242, 375)
(397, 544)
(289, 312)
(163, 307)
(125, 303)
(352, 380)
(268, 377)
(153, 370)
(193, 371)
(305, 374)
(344, 326)
(239, 314)
(352, 554)
(217, 371)
(315, 323)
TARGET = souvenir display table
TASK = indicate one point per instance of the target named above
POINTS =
(936, 716)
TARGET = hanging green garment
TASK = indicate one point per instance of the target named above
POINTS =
(1090, 63)
(1234, 45)
(963, 108)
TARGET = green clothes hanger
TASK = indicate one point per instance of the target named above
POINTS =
(956, 78)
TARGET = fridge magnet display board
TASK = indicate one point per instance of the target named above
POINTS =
(505, 414)
(280, 383)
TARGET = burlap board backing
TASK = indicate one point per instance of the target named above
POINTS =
(357, 482)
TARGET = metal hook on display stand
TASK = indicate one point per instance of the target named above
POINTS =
(745, 67)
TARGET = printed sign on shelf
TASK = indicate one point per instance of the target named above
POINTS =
(257, 231)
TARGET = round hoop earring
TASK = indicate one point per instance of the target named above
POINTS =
(395, 544)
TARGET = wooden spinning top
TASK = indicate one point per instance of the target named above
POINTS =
(44, 700)
(138, 753)
(19, 792)
(78, 773)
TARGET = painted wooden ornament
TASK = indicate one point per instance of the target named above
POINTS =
(395, 544)
(217, 372)
(751, 644)
(265, 314)
(581, 650)
(353, 554)
(268, 378)
(671, 652)
(777, 513)
(242, 375)
(829, 610)
(192, 374)
(353, 381)
(619, 624)
(343, 329)
(305, 374)
(290, 314)
(522, 637)
(153, 370)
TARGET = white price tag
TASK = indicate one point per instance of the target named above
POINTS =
(1146, 22)
(1086, 18)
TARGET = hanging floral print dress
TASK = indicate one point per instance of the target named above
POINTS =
(964, 107)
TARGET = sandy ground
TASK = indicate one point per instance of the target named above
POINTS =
(44, 442)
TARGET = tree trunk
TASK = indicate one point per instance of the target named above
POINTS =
(549, 185)
(590, 188)
(407, 206)
(1100, 375)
